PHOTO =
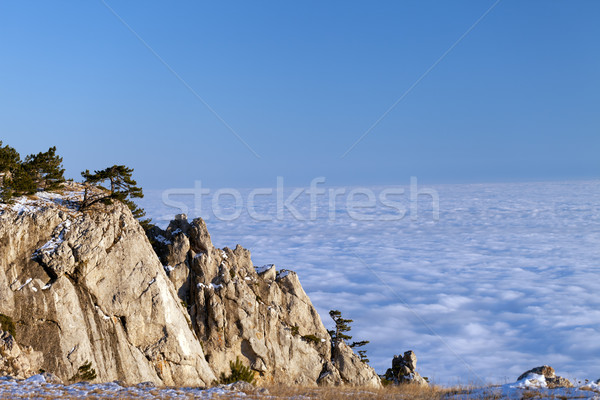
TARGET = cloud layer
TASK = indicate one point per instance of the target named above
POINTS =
(505, 280)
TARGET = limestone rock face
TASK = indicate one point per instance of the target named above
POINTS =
(15, 361)
(352, 370)
(552, 380)
(87, 286)
(404, 370)
(260, 314)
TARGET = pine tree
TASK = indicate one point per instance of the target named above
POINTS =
(363, 356)
(9, 161)
(338, 335)
(21, 182)
(120, 186)
(9, 158)
(361, 353)
(341, 325)
(45, 169)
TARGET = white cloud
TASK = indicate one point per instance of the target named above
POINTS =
(508, 278)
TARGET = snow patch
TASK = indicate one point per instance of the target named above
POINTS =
(25, 284)
(51, 245)
(531, 381)
(283, 273)
(210, 286)
(168, 268)
(264, 268)
(162, 239)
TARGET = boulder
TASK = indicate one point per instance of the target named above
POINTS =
(545, 370)
(16, 361)
(330, 376)
(404, 370)
(353, 370)
(552, 380)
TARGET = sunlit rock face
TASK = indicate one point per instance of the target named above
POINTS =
(258, 314)
(87, 286)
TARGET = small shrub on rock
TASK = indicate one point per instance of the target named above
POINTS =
(311, 339)
(239, 372)
(84, 373)
(7, 324)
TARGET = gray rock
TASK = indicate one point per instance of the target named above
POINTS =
(552, 380)
(241, 386)
(17, 361)
(330, 376)
(51, 378)
(353, 370)
(545, 370)
(404, 370)
(87, 286)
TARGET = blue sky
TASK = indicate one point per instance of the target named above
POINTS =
(517, 99)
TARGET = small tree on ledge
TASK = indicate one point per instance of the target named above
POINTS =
(121, 187)
(338, 335)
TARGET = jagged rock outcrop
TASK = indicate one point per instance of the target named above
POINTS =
(552, 380)
(259, 314)
(87, 286)
(83, 287)
(404, 370)
(16, 361)
(352, 369)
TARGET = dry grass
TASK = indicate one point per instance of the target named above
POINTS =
(412, 392)
(403, 392)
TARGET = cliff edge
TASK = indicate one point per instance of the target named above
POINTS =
(83, 287)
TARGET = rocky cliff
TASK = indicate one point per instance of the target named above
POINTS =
(88, 286)
(257, 313)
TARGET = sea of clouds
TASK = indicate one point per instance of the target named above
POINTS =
(505, 279)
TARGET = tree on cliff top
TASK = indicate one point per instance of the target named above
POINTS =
(45, 169)
(42, 171)
(120, 186)
(9, 158)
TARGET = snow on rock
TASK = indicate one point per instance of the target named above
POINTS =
(68, 200)
(162, 239)
(168, 268)
(283, 273)
(25, 284)
(51, 245)
(38, 387)
(264, 268)
(534, 386)
(531, 381)
(210, 286)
